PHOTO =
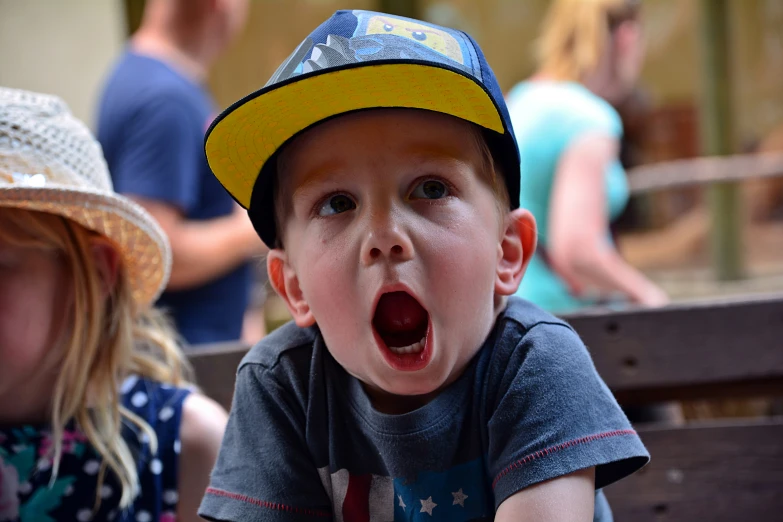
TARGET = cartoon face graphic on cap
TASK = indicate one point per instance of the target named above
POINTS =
(435, 38)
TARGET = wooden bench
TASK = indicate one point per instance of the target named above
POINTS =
(713, 470)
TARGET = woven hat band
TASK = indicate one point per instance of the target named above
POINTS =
(17, 170)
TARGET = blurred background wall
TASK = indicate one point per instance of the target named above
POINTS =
(66, 46)
(60, 46)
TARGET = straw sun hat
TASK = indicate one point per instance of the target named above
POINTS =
(49, 162)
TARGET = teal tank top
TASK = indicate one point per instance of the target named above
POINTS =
(548, 117)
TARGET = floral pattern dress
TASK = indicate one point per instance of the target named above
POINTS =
(28, 493)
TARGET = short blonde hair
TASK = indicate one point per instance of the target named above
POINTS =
(106, 341)
(575, 34)
(491, 172)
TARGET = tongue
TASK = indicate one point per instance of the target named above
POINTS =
(398, 312)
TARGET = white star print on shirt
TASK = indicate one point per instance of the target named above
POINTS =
(459, 498)
(402, 504)
(427, 506)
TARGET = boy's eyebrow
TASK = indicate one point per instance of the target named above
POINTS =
(316, 177)
(438, 157)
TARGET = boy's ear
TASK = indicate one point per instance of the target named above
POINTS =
(286, 284)
(515, 249)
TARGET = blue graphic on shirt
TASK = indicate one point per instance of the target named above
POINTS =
(456, 495)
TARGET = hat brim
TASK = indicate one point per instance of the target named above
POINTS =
(246, 135)
(139, 239)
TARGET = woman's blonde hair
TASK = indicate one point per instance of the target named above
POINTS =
(575, 35)
(105, 340)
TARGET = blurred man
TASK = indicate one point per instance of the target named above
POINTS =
(152, 117)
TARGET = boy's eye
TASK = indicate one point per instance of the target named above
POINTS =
(336, 204)
(430, 189)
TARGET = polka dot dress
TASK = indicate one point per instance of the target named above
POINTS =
(27, 492)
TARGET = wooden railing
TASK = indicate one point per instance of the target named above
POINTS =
(710, 470)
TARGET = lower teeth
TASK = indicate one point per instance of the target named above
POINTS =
(413, 348)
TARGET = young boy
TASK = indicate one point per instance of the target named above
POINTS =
(411, 387)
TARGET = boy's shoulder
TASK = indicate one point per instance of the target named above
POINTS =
(286, 341)
(527, 315)
(528, 336)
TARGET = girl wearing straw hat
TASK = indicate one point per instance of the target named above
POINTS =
(95, 408)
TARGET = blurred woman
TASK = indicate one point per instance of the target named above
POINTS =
(590, 54)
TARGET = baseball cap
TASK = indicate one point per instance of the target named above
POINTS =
(356, 60)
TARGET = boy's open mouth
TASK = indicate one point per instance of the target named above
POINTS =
(402, 325)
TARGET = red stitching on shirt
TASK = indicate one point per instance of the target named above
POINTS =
(546, 451)
(269, 505)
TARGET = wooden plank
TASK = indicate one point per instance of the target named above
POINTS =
(718, 473)
(689, 351)
(697, 350)
(215, 367)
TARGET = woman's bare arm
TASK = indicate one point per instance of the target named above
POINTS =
(578, 223)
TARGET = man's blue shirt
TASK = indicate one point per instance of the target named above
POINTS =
(151, 124)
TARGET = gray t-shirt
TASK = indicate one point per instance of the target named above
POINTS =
(303, 441)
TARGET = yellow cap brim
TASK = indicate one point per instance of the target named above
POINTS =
(248, 134)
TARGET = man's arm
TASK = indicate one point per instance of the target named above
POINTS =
(204, 250)
(569, 498)
(158, 165)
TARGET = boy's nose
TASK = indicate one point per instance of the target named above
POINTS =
(386, 241)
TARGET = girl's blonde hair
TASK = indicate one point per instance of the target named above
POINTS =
(105, 340)
(575, 35)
